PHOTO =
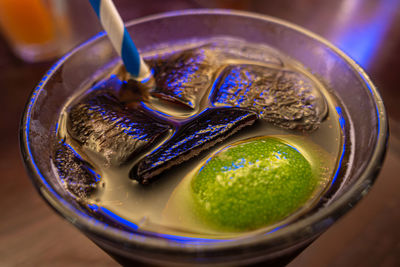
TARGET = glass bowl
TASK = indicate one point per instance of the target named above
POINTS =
(364, 123)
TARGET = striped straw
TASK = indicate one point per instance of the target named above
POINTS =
(120, 38)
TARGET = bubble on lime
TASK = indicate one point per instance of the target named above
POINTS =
(252, 184)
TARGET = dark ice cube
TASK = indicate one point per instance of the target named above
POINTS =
(100, 123)
(184, 77)
(77, 175)
(204, 131)
(287, 99)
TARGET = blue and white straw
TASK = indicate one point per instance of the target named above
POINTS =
(120, 38)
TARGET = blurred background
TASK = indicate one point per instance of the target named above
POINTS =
(31, 234)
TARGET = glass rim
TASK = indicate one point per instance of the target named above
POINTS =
(101, 229)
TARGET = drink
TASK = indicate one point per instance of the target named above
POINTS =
(363, 129)
(36, 30)
(214, 68)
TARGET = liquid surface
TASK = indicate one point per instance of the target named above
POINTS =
(230, 73)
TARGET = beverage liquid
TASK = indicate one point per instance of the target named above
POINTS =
(164, 206)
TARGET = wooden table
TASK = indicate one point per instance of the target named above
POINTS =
(31, 234)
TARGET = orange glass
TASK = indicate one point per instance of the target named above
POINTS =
(34, 28)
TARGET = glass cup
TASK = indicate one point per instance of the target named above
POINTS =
(39, 30)
(36, 30)
(364, 122)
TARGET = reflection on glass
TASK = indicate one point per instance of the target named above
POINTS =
(361, 26)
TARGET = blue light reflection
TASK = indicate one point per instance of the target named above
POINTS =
(361, 36)
(342, 123)
(113, 216)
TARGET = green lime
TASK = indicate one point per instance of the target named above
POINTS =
(252, 184)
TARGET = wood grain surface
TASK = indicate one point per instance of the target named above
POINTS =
(32, 234)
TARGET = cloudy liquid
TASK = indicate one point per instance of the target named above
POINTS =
(165, 206)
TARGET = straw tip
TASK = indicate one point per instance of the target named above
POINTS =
(135, 91)
(145, 75)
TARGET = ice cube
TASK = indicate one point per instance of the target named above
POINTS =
(77, 175)
(202, 132)
(184, 77)
(228, 49)
(286, 98)
(101, 124)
